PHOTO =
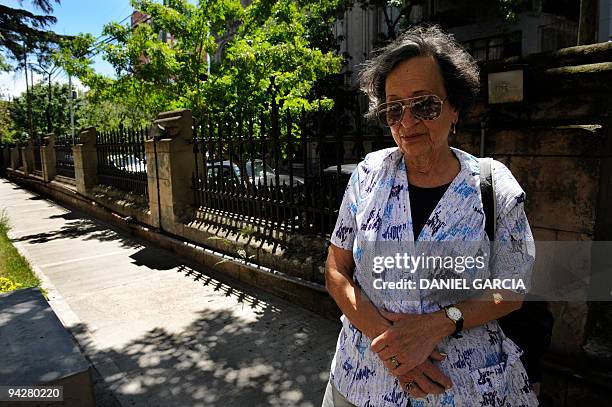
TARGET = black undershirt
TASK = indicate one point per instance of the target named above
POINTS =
(422, 203)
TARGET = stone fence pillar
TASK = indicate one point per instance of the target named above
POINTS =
(170, 167)
(27, 154)
(47, 157)
(15, 153)
(86, 161)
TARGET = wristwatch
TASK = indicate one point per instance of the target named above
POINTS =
(454, 314)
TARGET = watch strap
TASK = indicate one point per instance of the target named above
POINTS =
(458, 329)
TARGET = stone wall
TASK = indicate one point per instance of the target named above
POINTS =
(558, 145)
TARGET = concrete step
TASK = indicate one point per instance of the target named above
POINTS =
(38, 351)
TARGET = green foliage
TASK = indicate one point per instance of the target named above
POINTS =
(58, 110)
(22, 31)
(88, 111)
(271, 43)
(7, 125)
(109, 102)
(105, 115)
(74, 57)
(247, 48)
(15, 271)
(5, 224)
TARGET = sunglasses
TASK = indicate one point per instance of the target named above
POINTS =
(426, 107)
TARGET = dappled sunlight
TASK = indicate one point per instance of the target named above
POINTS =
(225, 356)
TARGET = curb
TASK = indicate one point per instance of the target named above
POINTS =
(84, 339)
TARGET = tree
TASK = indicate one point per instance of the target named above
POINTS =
(46, 66)
(41, 107)
(272, 43)
(22, 31)
(246, 48)
(106, 115)
(7, 125)
(394, 24)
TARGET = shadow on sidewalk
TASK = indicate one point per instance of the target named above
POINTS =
(261, 354)
(255, 350)
(79, 227)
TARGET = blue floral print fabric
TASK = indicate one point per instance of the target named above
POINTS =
(484, 365)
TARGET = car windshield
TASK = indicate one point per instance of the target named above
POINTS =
(130, 161)
(259, 169)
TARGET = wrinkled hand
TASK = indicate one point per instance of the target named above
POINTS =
(426, 379)
(411, 339)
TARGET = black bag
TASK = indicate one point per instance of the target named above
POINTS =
(530, 327)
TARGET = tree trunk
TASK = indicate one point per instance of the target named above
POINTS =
(31, 101)
(49, 124)
(587, 27)
(28, 95)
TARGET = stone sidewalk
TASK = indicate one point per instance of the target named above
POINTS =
(161, 331)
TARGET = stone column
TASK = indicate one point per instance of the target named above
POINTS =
(86, 161)
(15, 153)
(170, 165)
(27, 154)
(47, 157)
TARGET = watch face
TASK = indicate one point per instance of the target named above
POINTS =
(454, 313)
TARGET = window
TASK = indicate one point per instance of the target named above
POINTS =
(494, 48)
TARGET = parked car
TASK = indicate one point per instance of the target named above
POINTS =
(345, 169)
(128, 163)
(345, 173)
(290, 187)
(254, 173)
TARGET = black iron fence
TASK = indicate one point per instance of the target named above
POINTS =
(277, 168)
(121, 159)
(3, 163)
(64, 159)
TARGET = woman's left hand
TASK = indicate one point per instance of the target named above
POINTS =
(411, 339)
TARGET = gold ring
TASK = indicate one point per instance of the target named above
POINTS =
(394, 362)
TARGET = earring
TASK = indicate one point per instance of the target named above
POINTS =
(455, 128)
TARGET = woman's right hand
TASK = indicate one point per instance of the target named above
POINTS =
(426, 378)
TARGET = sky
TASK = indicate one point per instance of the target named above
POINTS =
(73, 17)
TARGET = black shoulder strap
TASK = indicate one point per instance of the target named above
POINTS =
(487, 193)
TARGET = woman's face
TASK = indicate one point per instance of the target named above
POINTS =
(415, 77)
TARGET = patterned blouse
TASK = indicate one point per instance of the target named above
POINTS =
(374, 219)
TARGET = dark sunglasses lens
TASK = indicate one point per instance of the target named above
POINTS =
(390, 115)
(426, 108)
(394, 114)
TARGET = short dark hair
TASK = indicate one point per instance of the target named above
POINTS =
(458, 68)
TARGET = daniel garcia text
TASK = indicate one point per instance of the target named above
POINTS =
(459, 264)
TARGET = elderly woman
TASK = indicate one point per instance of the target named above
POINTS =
(413, 346)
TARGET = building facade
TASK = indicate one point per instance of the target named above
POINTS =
(543, 25)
